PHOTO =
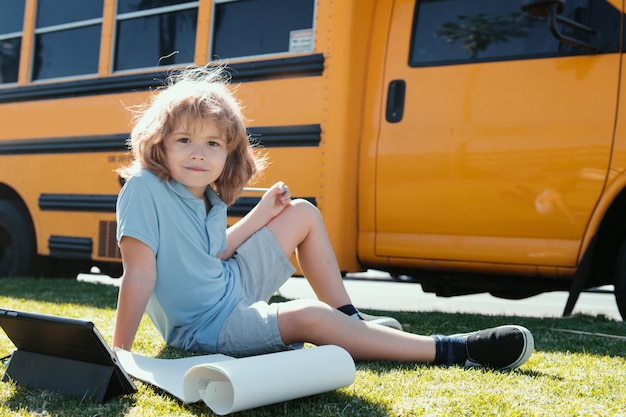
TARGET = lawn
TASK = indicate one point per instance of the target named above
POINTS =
(570, 374)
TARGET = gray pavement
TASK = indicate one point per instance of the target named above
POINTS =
(375, 290)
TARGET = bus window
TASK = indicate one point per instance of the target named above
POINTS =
(11, 21)
(287, 28)
(67, 38)
(153, 33)
(459, 31)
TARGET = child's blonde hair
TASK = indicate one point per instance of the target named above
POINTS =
(194, 94)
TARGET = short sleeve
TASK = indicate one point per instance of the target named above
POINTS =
(137, 215)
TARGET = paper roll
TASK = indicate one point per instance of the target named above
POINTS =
(235, 385)
(167, 374)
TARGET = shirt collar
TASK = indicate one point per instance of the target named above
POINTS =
(183, 192)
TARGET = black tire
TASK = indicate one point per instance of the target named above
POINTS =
(17, 242)
(619, 282)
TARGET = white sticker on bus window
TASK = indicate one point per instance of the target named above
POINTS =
(301, 41)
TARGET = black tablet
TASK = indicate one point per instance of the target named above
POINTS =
(64, 355)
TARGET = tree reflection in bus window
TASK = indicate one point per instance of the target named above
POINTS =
(11, 20)
(463, 31)
(67, 38)
(237, 32)
(153, 33)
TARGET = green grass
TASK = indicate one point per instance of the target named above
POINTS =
(568, 375)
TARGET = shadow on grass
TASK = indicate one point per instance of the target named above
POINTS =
(383, 367)
(536, 374)
(59, 290)
(47, 403)
(43, 403)
(332, 403)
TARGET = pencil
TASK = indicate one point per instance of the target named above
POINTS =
(255, 190)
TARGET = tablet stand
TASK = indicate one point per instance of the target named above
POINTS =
(80, 379)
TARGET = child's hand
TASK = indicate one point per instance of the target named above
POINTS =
(276, 199)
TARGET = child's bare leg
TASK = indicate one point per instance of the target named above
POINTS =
(300, 229)
(503, 347)
(318, 323)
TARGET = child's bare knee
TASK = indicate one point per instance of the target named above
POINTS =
(306, 209)
(299, 320)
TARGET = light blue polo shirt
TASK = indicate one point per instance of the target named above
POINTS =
(195, 291)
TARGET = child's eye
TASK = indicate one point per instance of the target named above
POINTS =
(213, 143)
(183, 140)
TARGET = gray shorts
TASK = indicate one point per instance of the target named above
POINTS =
(252, 326)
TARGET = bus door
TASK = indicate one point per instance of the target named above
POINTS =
(495, 140)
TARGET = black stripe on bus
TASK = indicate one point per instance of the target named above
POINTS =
(269, 137)
(243, 205)
(286, 136)
(299, 66)
(77, 144)
(70, 247)
(104, 203)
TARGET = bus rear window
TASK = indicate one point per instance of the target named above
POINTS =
(246, 28)
(11, 20)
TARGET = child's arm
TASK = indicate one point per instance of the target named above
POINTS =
(137, 284)
(271, 205)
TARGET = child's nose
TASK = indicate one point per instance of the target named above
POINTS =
(198, 153)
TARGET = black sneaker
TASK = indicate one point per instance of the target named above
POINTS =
(503, 347)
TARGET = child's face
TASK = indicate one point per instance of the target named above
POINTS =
(195, 152)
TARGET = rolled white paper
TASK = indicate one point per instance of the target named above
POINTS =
(235, 385)
(166, 374)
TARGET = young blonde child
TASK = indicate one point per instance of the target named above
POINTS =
(206, 287)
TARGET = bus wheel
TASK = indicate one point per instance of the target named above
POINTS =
(17, 242)
(620, 281)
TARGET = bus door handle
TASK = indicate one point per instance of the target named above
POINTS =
(395, 101)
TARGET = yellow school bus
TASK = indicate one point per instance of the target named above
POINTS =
(473, 145)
